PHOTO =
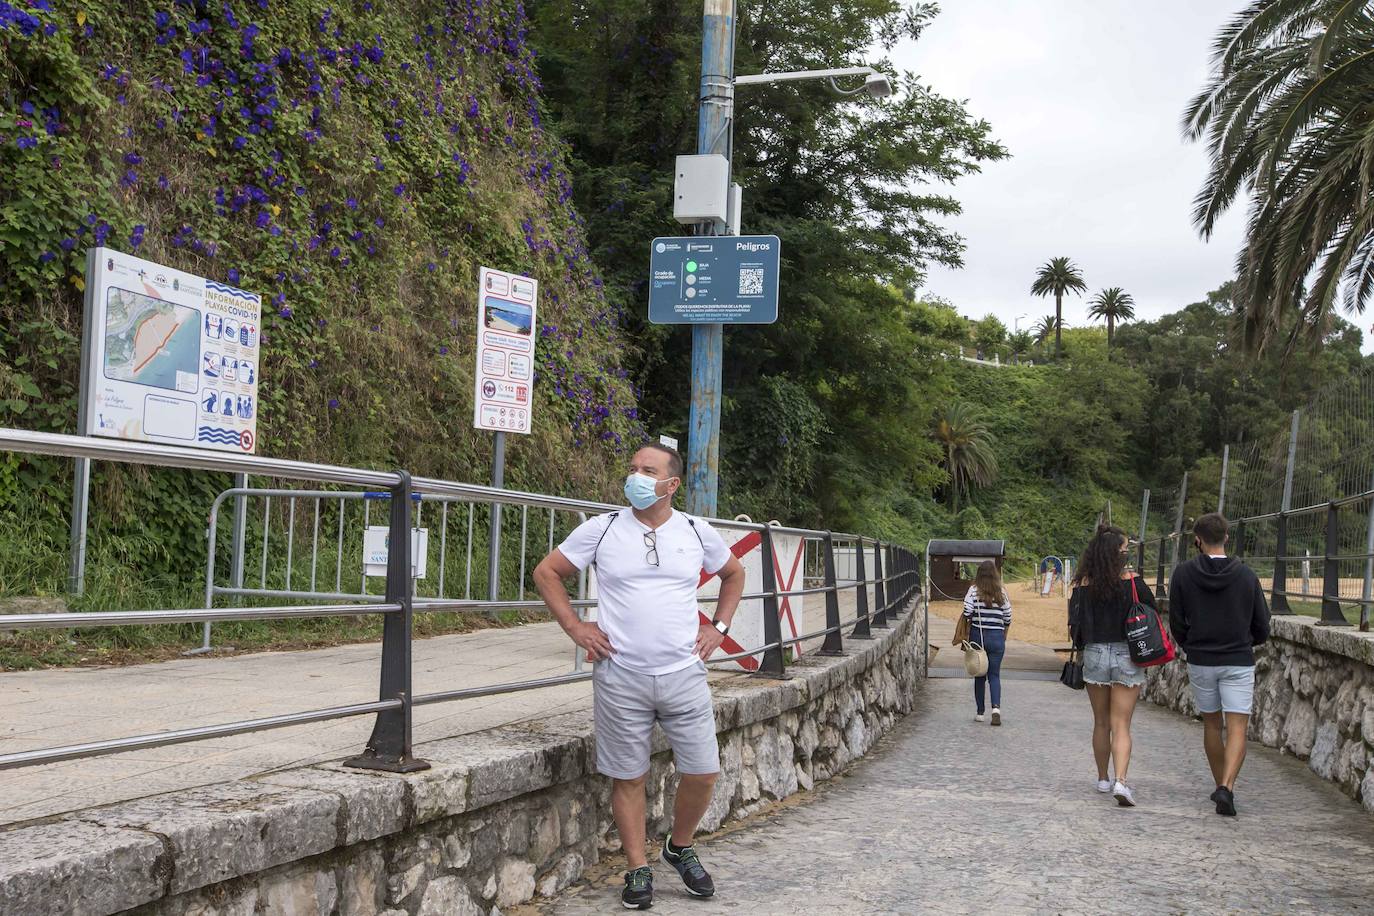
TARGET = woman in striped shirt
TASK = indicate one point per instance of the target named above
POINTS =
(989, 614)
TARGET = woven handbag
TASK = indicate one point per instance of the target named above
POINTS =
(975, 659)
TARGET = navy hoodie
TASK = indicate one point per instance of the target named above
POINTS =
(1217, 611)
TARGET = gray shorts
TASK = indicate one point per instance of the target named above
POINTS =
(1110, 663)
(1223, 688)
(625, 705)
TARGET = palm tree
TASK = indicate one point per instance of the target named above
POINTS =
(1058, 276)
(1286, 119)
(969, 459)
(1044, 328)
(1113, 304)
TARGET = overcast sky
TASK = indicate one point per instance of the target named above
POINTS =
(1087, 96)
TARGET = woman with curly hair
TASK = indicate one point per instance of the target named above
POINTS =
(1104, 589)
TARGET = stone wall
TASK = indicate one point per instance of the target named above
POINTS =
(1314, 698)
(502, 815)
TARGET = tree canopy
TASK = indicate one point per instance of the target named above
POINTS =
(1285, 116)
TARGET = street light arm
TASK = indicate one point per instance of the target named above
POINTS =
(803, 75)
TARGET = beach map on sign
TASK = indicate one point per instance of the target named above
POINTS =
(151, 342)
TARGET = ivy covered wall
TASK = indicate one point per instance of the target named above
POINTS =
(354, 162)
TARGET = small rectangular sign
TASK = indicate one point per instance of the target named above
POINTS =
(506, 309)
(377, 550)
(721, 279)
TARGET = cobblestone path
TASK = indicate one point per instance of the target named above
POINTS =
(948, 816)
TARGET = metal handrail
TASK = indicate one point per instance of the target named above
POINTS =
(181, 736)
(79, 619)
(171, 456)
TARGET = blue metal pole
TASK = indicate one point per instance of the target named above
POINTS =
(716, 103)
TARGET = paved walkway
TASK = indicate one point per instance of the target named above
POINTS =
(1022, 658)
(948, 816)
(40, 709)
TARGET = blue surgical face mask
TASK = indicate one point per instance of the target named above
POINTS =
(640, 490)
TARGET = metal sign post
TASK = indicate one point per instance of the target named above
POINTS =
(708, 340)
(503, 395)
(498, 477)
(1225, 467)
(1144, 521)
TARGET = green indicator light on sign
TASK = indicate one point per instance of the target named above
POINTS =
(691, 267)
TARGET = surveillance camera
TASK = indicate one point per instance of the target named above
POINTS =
(878, 86)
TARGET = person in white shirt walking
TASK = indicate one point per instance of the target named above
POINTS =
(648, 650)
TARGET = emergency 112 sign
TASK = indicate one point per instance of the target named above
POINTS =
(721, 279)
(506, 305)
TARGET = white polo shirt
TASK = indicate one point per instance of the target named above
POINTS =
(648, 612)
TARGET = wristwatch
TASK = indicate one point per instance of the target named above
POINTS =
(721, 627)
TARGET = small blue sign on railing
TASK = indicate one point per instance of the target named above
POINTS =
(721, 279)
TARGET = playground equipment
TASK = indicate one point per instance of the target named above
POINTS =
(1051, 574)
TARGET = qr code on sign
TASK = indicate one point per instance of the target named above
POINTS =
(751, 281)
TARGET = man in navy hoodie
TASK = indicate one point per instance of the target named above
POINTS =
(1217, 614)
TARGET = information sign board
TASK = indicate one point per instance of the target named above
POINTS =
(377, 550)
(506, 308)
(721, 279)
(168, 356)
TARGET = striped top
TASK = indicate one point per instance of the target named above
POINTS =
(987, 616)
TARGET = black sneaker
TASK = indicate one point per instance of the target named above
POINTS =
(685, 860)
(1226, 801)
(639, 889)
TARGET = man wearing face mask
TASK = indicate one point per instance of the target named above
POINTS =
(649, 649)
(1218, 614)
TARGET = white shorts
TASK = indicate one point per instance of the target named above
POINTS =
(625, 705)
(1223, 688)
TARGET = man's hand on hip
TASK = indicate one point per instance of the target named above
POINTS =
(708, 641)
(592, 639)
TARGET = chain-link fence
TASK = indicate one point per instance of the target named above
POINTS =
(1301, 504)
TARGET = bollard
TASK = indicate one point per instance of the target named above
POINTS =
(389, 747)
(1331, 572)
(861, 630)
(834, 640)
(772, 663)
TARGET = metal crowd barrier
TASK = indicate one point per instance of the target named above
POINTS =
(894, 582)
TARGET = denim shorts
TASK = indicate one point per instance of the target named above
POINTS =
(1110, 663)
(1223, 688)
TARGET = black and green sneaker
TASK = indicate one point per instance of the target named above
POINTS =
(688, 865)
(639, 889)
